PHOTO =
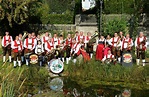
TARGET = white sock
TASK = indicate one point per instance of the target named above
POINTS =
(59, 58)
(9, 58)
(19, 63)
(143, 62)
(119, 60)
(67, 60)
(14, 63)
(48, 63)
(63, 59)
(4, 58)
(27, 62)
(137, 61)
(74, 60)
(91, 55)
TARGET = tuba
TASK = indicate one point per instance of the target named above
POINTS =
(93, 40)
(24, 35)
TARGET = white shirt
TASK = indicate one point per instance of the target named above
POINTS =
(86, 39)
(77, 48)
(30, 42)
(115, 44)
(74, 47)
(125, 42)
(7, 42)
(55, 41)
(20, 47)
(46, 46)
(108, 41)
(107, 57)
(100, 40)
(44, 37)
(141, 39)
(39, 49)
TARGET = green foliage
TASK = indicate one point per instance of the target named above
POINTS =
(94, 70)
(115, 25)
(15, 10)
(7, 89)
(118, 6)
(61, 18)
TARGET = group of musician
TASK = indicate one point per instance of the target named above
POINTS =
(48, 47)
(112, 48)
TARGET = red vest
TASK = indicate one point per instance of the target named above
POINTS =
(80, 38)
(49, 46)
(44, 39)
(114, 42)
(110, 56)
(16, 46)
(143, 44)
(69, 42)
(9, 40)
(129, 41)
(28, 44)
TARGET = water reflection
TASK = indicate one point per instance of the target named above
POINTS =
(56, 84)
(71, 88)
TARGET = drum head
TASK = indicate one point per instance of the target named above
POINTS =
(33, 58)
(56, 66)
(127, 59)
(56, 84)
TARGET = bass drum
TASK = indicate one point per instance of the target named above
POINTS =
(33, 59)
(56, 66)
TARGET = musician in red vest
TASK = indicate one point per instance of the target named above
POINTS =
(17, 47)
(6, 45)
(79, 49)
(121, 35)
(109, 57)
(116, 47)
(45, 38)
(141, 46)
(55, 40)
(81, 37)
(29, 45)
(68, 45)
(34, 37)
(127, 44)
(49, 46)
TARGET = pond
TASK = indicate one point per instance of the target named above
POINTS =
(65, 87)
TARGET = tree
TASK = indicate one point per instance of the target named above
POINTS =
(15, 11)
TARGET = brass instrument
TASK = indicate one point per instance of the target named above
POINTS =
(24, 35)
(93, 37)
(129, 46)
(118, 47)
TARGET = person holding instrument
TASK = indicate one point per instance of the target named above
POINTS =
(17, 47)
(29, 45)
(141, 45)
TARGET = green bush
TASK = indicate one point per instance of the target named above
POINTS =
(115, 25)
(61, 18)
(96, 71)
